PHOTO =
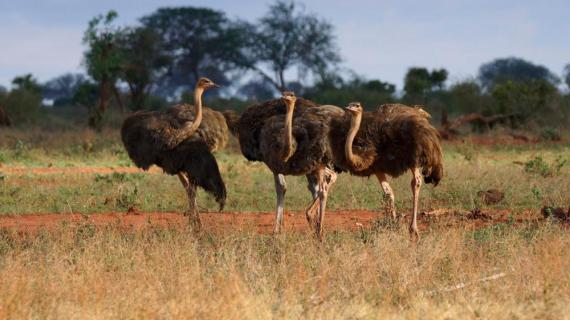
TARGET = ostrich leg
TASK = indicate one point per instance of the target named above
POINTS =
(388, 194)
(313, 185)
(313, 181)
(324, 187)
(416, 185)
(192, 205)
(280, 189)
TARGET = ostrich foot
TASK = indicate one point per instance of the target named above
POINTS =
(194, 219)
(278, 228)
(414, 234)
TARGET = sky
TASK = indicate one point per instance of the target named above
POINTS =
(377, 39)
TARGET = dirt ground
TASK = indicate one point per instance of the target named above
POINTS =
(260, 222)
(73, 170)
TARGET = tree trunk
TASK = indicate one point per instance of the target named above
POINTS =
(119, 99)
(96, 117)
(4, 119)
(281, 81)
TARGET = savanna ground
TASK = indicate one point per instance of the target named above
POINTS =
(507, 262)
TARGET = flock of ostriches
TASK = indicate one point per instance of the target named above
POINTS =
(292, 136)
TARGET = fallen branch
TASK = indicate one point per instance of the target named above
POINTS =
(450, 128)
(466, 284)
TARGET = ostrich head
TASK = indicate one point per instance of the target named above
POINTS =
(205, 83)
(289, 98)
(354, 108)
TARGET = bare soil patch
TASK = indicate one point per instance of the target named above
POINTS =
(74, 170)
(261, 222)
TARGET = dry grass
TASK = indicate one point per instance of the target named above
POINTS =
(87, 273)
(101, 274)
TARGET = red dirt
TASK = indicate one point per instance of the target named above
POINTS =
(261, 222)
(74, 170)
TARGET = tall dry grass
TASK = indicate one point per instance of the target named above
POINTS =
(102, 274)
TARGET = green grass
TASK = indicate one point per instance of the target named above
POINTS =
(468, 169)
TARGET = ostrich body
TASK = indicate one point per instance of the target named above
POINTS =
(181, 142)
(389, 142)
(290, 135)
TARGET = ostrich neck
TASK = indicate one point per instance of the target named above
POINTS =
(353, 160)
(197, 109)
(288, 151)
(190, 127)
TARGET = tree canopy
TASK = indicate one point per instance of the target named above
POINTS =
(514, 69)
(288, 37)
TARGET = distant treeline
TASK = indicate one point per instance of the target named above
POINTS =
(156, 63)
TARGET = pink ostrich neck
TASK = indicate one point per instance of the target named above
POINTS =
(289, 150)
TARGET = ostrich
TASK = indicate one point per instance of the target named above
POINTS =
(300, 147)
(393, 140)
(290, 136)
(181, 142)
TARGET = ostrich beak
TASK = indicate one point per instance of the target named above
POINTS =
(215, 85)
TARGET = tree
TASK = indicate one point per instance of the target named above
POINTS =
(514, 69)
(523, 99)
(257, 90)
(144, 62)
(466, 97)
(336, 91)
(104, 61)
(419, 82)
(566, 75)
(23, 103)
(199, 41)
(62, 88)
(26, 82)
(287, 37)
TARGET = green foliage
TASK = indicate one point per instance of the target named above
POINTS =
(62, 88)
(523, 99)
(23, 103)
(288, 37)
(566, 75)
(371, 93)
(550, 134)
(103, 58)
(27, 83)
(145, 60)
(466, 97)
(539, 166)
(419, 82)
(513, 69)
(198, 41)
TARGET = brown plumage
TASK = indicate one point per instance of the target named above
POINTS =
(253, 119)
(391, 141)
(290, 135)
(181, 141)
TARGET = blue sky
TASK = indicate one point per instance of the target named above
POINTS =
(377, 39)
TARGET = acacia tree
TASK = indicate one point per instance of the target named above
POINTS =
(198, 41)
(62, 88)
(514, 69)
(144, 62)
(419, 82)
(104, 61)
(288, 37)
